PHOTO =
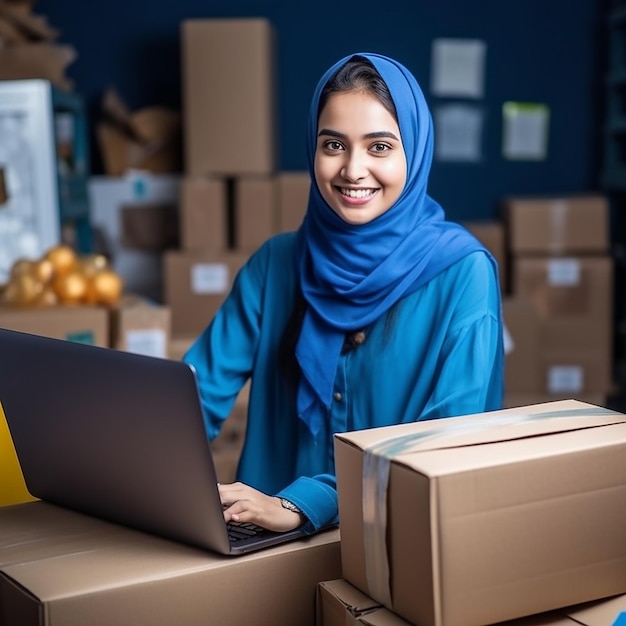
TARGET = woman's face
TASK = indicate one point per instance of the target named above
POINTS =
(360, 165)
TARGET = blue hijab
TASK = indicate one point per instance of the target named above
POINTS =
(351, 274)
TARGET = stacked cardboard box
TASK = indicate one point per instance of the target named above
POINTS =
(134, 324)
(61, 568)
(341, 604)
(229, 132)
(559, 312)
(233, 198)
(482, 519)
(491, 234)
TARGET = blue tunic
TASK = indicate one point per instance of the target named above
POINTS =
(438, 355)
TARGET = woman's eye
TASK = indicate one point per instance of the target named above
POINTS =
(333, 145)
(380, 147)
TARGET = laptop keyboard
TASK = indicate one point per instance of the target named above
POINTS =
(243, 530)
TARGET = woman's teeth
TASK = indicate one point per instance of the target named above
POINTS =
(357, 193)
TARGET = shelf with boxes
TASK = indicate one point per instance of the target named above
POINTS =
(559, 306)
(232, 196)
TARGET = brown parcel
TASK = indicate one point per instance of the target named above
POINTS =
(599, 613)
(196, 284)
(60, 568)
(489, 517)
(341, 604)
(85, 324)
(229, 96)
(557, 225)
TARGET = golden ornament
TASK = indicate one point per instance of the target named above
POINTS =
(43, 270)
(22, 289)
(63, 258)
(70, 287)
(106, 287)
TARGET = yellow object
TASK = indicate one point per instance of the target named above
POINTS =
(12, 487)
(63, 257)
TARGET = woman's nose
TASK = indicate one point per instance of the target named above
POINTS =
(353, 169)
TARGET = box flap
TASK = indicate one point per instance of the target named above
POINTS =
(601, 613)
(482, 428)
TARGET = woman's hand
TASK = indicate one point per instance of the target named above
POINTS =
(248, 505)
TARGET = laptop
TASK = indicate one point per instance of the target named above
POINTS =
(118, 436)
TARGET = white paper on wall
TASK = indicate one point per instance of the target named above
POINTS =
(458, 133)
(525, 132)
(458, 68)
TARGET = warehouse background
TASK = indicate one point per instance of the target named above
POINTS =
(549, 52)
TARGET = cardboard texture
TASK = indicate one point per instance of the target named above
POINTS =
(229, 96)
(37, 60)
(141, 326)
(520, 398)
(148, 139)
(522, 356)
(255, 211)
(492, 235)
(557, 225)
(203, 214)
(573, 299)
(85, 324)
(341, 604)
(293, 198)
(196, 284)
(486, 518)
(60, 568)
(178, 346)
(150, 227)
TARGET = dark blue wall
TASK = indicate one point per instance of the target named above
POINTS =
(548, 51)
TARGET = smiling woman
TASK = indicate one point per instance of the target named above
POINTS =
(377, 311)
(359, 174)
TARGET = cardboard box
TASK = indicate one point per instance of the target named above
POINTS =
(229, 96)
(151, 227)
(45, 60)
(341, 604)
(85, 324)
(491, 234)
(148, 139)
(61, 568)
(196, 284)
(553, 373)
(255, 211)
(179, 345)
(521, 345)
(486, 518)
(204, 223)
(574, 224)
(573, 299)
(520, 398)
(141, 326)
(293, 198)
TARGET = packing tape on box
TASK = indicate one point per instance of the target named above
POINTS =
(558, 224)
(377, 465)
